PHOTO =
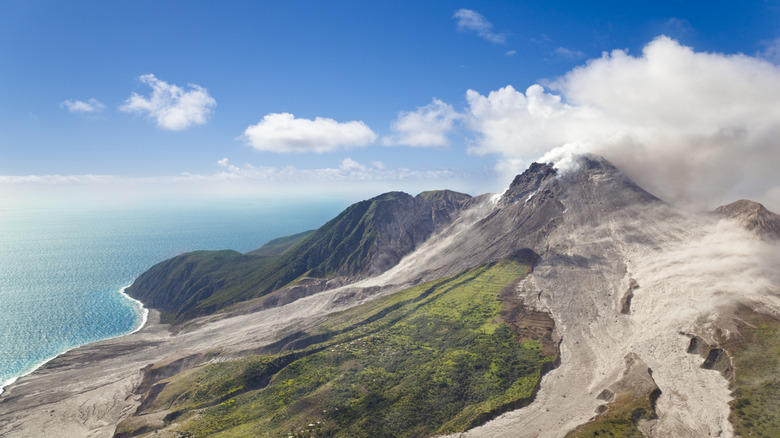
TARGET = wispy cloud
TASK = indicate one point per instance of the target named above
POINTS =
(772, 51)
(472, 21)
(282, 132)
(511, 53)
(678, 27)
(347, 170)
(171, 106)
(563, 52)
(77, 106)
(427, 126)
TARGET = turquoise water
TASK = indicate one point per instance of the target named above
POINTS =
(62, 270)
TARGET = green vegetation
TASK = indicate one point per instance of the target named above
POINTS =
(203, 282)
(621, 417)
(278, 246)
(756, 357)
(432, 359)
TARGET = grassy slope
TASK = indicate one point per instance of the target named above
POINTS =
(279, 245)
(756, 357)
(621, 418)
(432, 359)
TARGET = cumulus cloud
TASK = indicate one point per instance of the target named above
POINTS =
(427, 126)
(472, 21)
(77, 106)
(689, 126)
(282, 132)
(172, 107)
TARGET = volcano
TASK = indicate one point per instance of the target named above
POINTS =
(574, 304)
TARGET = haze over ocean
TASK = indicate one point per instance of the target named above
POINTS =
(62, 269)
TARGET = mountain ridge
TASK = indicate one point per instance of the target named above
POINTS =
(365, 239)
(753, 216)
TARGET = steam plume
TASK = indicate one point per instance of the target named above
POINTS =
(694, 128)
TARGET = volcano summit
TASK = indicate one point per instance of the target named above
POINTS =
(574, 304)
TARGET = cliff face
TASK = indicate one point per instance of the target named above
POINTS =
(364, 240)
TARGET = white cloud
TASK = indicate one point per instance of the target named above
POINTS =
(689, 126)
(427, 126)
(282, 132)
(348, 170)
(511, 53)
(563, 52)
(473, 21)
(171, 106)
(77, 106)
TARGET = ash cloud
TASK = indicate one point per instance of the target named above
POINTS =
(698, 129)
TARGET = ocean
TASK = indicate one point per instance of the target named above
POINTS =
(63, 269)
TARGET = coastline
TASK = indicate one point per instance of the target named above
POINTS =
(144, 313)
(141, 310)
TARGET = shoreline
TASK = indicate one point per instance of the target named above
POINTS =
(143, 311)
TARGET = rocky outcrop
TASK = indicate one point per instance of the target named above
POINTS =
(715, 357)
(628, 295)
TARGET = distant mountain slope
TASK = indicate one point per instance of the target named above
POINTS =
(365, 239)
(753, 216)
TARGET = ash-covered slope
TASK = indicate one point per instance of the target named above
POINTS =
(628, 280)
(527, 216)
(364, 240)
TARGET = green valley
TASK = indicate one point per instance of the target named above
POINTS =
(437, 358)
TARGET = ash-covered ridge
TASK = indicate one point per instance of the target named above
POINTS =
(753, 216)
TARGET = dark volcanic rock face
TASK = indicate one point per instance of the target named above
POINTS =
(528, 182)
(753, 216)
(403, 222)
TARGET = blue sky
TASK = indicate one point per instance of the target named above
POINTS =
(258, 98)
